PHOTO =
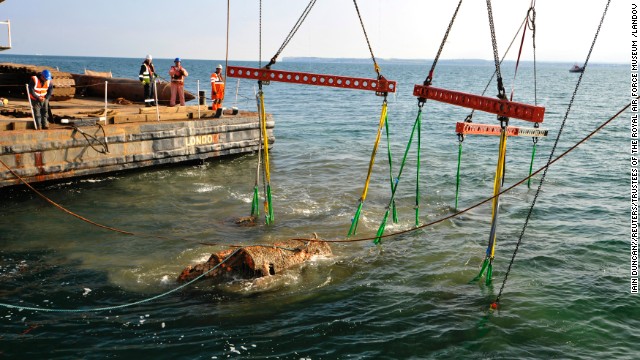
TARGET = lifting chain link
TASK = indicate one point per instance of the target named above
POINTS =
(504, 122)
(549, 161)
(260, 35)
(531, 15)
(292, 32)
(375, 64)
(501, 92)
(468, 119)
(376, 67)
(427, 81)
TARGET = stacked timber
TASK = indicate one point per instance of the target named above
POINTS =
(14, 77)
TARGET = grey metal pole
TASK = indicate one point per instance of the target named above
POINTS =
(105, 102)
(33, 115)
(198, 99)
(155, 95)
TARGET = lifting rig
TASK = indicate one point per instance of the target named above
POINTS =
(265, 75)
(501, 106)
(504, 109)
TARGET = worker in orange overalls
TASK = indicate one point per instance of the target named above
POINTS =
(40, 91)
(177, 73)
(217, 88)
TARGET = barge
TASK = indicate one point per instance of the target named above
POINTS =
(91, 138)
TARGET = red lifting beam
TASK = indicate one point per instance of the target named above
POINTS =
(467, 128)
(506, 108)
(378, 85)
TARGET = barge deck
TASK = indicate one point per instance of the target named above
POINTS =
(87, 141)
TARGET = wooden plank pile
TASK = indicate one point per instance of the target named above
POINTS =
(14, 77)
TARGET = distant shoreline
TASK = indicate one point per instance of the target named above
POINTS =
(382, 61)
(422, 61)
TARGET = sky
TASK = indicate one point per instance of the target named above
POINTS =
(399, 29)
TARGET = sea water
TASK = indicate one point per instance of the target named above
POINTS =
(567, 294)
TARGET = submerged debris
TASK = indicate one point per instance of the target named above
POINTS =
(246, 221)
(256, 261)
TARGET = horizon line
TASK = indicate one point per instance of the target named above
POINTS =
(364, 59)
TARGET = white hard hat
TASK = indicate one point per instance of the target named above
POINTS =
(219, 66)
(148, 57)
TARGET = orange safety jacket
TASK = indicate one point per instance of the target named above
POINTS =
(217, 86)
(178, 75)
(39, 88)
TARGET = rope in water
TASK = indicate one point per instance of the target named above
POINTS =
(115, 307)
(505, 190)
(437, 221)
(551, 162)
(146, 300)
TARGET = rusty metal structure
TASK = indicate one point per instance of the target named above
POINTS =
(255, 261)
(380, 85)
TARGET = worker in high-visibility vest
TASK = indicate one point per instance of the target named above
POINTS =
(40, 90)
(217, 88)
(147, 78)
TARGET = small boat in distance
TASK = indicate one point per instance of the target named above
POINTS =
(576, 69)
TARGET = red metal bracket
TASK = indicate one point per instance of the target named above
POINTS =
(378, 85)
(467, 128)
(506, 108)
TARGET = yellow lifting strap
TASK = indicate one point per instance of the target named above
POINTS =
(497, 183)
(383, 117)
(263, 125)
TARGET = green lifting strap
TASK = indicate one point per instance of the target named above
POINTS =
(356, 218)
(458, 173)
(533, 155)
(485, 263)
(383, 224)
(255, 207)
(393, 205)
(255, 203)
(268, 207)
